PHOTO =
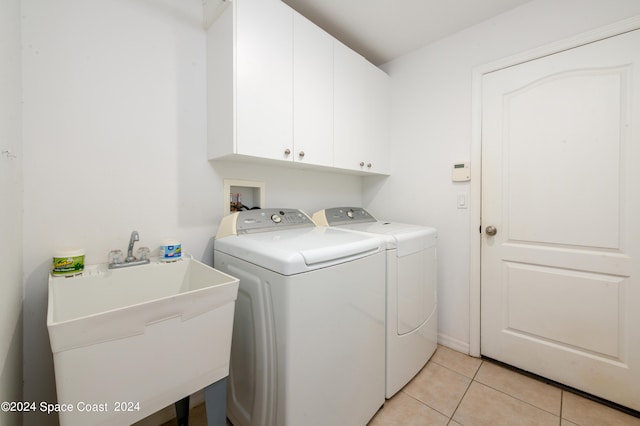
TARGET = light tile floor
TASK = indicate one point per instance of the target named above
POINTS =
(456, 389)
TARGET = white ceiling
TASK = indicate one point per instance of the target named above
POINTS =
(382, 30)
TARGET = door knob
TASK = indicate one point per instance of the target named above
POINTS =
(491, 231)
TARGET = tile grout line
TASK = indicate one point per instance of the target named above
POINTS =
(569, 390)
(453, 371)
(473, 379)
(561, 404)
(423, 403)
(457, 372)
(522, 400)
(465, 392)
(539, 379)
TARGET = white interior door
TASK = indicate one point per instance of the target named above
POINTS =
(560, 279)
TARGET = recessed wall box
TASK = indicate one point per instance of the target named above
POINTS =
(460, 172)
(242, 194)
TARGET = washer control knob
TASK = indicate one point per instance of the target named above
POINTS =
(276, 218)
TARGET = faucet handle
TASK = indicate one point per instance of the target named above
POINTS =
(115, 257)
(143, 253)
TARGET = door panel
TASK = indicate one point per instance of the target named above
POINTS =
(348, 107)
(264, 76)
(560, 279)
(312, 93)
(585, 143)
(533, 308)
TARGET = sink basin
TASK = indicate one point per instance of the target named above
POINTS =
(129, 342)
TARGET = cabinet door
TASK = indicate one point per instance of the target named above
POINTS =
(264, 75)
(377, 106)
(348, 113)
(312, 93)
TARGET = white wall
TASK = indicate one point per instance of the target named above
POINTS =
(10, 209)
(115, 140)
(431, 129)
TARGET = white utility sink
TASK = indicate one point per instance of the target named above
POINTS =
(129, 342)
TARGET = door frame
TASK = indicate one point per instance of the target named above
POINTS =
(475, 238)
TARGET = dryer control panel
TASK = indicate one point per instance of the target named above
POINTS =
(344, 215)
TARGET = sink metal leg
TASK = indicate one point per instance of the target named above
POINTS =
(182, 411)
(215, 397)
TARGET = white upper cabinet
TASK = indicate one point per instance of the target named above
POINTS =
(349, 97)
(281, 88)
(361, 113)
(377, 115)
(264, 71)
(312, 93)
(249, 80)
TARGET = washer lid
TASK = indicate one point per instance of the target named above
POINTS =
(405, 237)
(294, 251)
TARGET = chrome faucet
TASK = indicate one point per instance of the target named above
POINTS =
(130, 260)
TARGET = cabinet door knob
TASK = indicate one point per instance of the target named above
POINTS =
(362, 164)
(369, 165)
(287, 151)
(301, 154)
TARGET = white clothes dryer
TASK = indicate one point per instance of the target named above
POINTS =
(308, 333)
(411, 289)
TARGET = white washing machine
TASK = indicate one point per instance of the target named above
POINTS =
(411, 289)
(308, 333)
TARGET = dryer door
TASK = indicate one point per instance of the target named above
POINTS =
(416, 297)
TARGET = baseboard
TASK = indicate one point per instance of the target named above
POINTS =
(455, 344)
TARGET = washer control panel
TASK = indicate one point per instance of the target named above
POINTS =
(264, 220)
(343, 215)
